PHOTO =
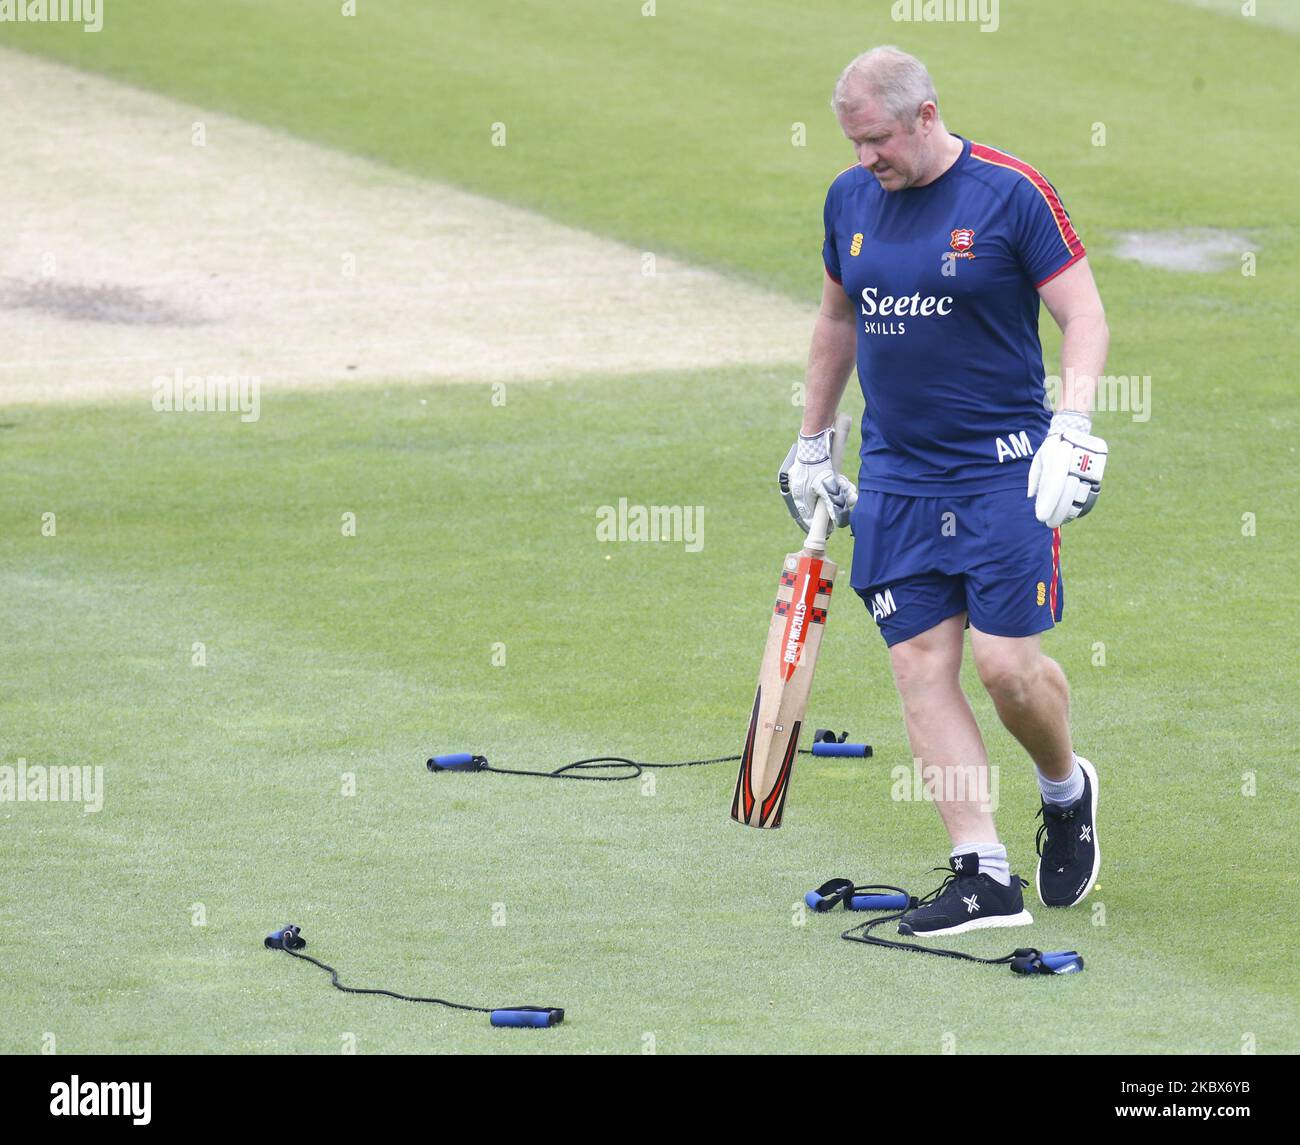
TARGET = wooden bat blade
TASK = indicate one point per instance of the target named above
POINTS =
(794, 637)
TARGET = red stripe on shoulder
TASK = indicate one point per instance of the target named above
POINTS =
(1059, 270)
(1042, 186)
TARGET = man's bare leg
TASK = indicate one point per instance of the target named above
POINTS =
(947, 741)
(1031, 695)
(1033, 701)
(942, 731)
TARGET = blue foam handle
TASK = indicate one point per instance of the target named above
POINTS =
(878, 902)
(813, 900)
(528, 1016)
(457, 761)
(856, 749)
(1063, 961)
(277, 941)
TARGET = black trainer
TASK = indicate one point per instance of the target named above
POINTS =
(968, 900)
(1069, 856)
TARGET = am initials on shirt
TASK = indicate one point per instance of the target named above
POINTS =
(1014, 447)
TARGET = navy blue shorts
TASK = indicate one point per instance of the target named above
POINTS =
(919, 560)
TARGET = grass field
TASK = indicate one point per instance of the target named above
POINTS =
(329, 656)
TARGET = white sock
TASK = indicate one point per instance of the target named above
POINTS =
(993, 860)
(1062, 791)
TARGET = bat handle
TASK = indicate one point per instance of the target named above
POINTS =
(818, 531)
(821, 526)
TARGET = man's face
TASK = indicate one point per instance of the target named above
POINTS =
(885, 146)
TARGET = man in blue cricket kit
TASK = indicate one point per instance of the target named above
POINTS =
(937, 253)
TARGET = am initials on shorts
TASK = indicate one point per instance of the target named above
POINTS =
(882, 605)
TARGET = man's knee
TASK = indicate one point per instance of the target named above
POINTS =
(1009, 674)
(924, 663)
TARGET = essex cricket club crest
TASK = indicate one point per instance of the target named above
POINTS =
(962, 239)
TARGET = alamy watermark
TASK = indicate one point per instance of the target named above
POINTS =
(77, 1098)
(180, 392)
(88, 13)
(981, 12)
(955, 783)
(37, 784)
(678, 524)
(1115, 393)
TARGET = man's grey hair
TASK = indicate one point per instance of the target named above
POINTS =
(890, 76)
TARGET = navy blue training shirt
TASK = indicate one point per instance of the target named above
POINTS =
(944, 281)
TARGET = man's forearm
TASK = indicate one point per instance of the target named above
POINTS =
(1085, 342)
(830, 361)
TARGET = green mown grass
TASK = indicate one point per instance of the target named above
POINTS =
(642, 913)
(673, 132)
(329, 655)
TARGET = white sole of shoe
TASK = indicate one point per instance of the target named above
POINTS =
(1091, 773)
(1024, 918)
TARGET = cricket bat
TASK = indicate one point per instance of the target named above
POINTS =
(785, 678)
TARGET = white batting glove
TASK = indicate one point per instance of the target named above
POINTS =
(807, 474)
(1065, 477)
